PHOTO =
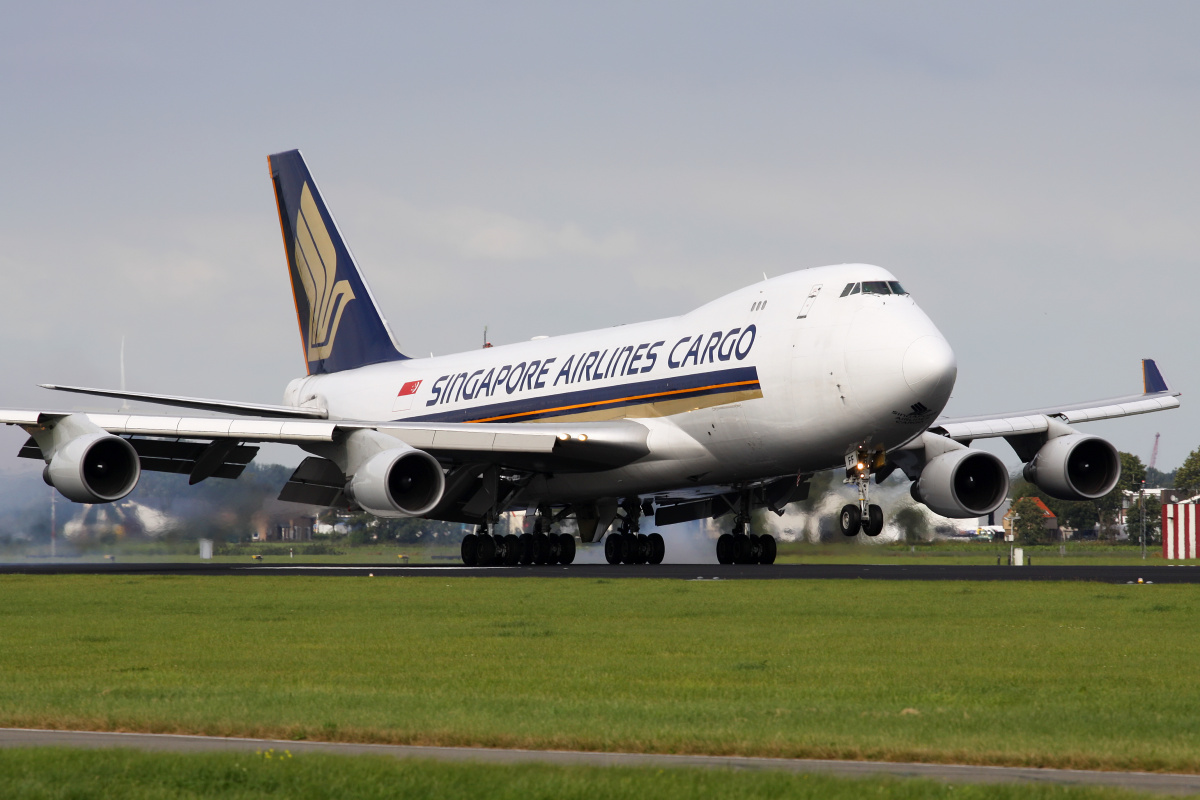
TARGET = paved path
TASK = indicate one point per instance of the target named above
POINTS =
(923, 572)
(1171, 784)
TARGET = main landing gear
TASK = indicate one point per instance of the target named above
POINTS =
(741, 546)
(629, 545)
(863, 515)
(485, 550)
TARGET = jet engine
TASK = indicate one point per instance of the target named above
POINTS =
(94, 468)
(1075, 467)
(962, 483)
(400, 481)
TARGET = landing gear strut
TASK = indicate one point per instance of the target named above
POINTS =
(864, 515)
(741, 546)
(628, 545)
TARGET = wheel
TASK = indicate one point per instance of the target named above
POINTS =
(512, 550)
(470, 549)
(642, 550)
(553, 547)
(526, 548)
(612, 548)
(850, 519)
(486, 551)
(541, 548)
(742, 550)
(658, 548)
(725, 548)
(767, 545)
(566, 548)
(873, 524)
(627, 546)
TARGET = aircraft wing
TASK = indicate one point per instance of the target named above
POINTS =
(1157, 395)
(580, 446)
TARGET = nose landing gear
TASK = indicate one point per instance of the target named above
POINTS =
(864, 515)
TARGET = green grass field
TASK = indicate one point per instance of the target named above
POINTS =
(1060, 674)
(84, 774)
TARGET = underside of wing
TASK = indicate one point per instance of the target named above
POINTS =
(98, 457)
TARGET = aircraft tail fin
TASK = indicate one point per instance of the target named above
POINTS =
(340, 323)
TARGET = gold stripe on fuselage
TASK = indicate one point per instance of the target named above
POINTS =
(654, 407)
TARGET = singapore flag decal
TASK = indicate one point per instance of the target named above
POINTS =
(405, 395)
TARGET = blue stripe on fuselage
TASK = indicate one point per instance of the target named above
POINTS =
(605, 397)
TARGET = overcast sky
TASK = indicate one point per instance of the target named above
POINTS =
(1029, 171)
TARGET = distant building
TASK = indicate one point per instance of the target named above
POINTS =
(1049, 519)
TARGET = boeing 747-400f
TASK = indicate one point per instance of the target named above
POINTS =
(723, 410)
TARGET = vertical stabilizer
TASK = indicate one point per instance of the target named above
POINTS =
(340, 324)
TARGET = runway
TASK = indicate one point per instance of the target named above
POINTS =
(696, 572)
(1175, 784)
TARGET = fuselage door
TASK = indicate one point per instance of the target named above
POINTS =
(808, 302)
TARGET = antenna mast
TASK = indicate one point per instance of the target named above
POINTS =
(1154, 452)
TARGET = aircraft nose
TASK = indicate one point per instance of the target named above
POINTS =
(930, 367)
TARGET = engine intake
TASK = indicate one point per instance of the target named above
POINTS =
(962, 483)
(398, 482)
(94, 468)
(1075, 467)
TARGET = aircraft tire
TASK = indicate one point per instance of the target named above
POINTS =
(873, 524)
(768, 549)
(486, 551)
(526, 549)
(566, 548)
(612, 548)
(743, 550)
(643, 549)
(725, 548)
(850, 519)
(470, 550)
(541, 549)
(658, 548)
(512, 550)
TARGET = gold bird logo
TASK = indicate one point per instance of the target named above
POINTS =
(316, 261)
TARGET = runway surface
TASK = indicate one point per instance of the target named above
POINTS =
(893, 572)
(949, 773)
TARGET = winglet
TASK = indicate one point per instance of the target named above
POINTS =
(1153, 381)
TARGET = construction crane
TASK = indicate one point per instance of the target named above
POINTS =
(1153, 453)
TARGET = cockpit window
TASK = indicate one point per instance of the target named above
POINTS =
(874, 287)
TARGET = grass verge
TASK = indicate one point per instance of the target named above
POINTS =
(1041, 674)
(83, 774)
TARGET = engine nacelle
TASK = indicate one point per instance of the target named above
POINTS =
(94, 468)
(1075, 467)
(962, 483)
(400, 481)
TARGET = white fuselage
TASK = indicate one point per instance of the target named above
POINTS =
(787, 377)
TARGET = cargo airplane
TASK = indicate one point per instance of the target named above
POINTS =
(726, 409)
